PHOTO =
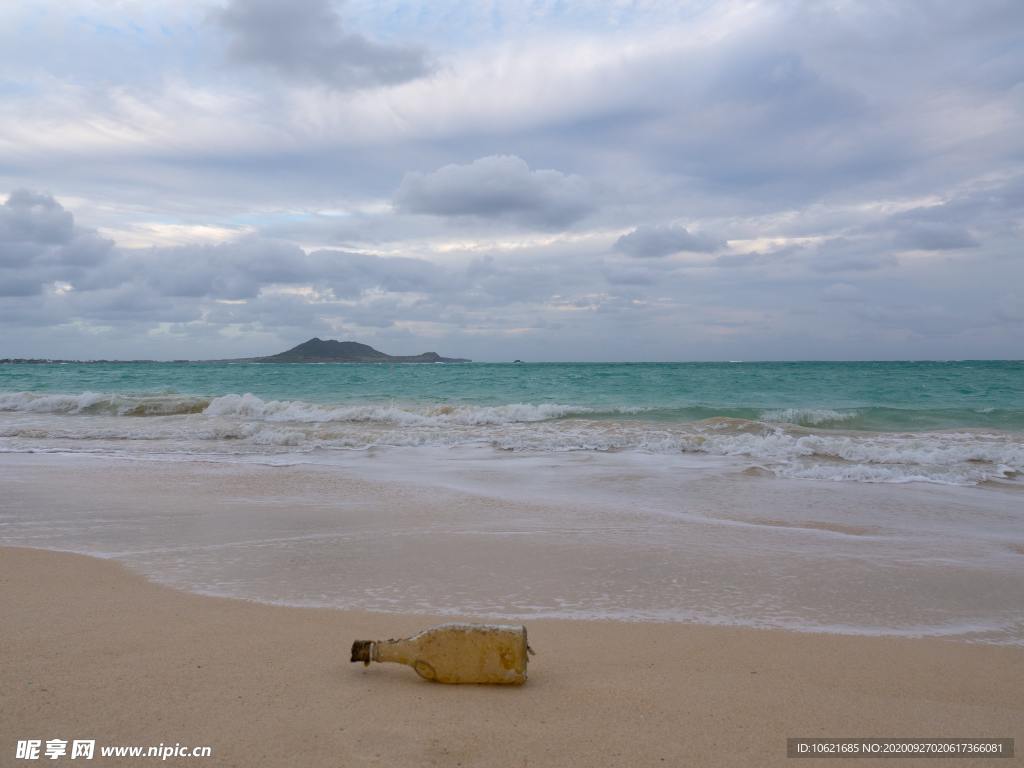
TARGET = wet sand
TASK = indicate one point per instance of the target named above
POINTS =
(608, 537)
(91, 650)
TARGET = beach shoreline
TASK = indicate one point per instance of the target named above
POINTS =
(94, 651)
(524, 537)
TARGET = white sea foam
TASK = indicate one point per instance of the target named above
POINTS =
(250, 406)
(955, 458)
(246, 424)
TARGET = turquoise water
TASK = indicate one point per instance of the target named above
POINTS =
(957, 423)
(880, 396)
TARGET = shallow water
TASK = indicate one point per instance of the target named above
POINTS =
(472, 531)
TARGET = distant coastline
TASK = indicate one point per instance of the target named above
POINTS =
(315, 350)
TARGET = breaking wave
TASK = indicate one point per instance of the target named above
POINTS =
(806, 443)
(810, 417)
(250, 406)
(99, 403)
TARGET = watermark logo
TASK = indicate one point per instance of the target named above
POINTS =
(818, 747)
(52, 749)
(85, 749)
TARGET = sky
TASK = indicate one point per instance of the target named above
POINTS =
(541, 179)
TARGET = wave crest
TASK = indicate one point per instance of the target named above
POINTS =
(809, 417)
(101, 403)
(250, 406)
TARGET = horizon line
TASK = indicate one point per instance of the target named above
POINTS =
(253, 361)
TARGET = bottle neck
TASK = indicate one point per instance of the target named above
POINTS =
(396, 651)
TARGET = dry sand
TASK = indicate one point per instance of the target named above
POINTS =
(91, 650)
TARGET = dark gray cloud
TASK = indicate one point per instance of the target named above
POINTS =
(242, 268)
(41, 247)
(40, 244)
(32, 217)
(654, 241)
(947, 226)
(933, 236)
(498, 187)
(305, 40)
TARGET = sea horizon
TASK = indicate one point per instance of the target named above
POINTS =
(55, 360)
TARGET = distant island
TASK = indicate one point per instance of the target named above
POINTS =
(313, 351)
(330, 351)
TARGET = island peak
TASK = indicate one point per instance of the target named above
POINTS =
(318, 350)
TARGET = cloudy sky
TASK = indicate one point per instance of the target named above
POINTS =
(535, 179)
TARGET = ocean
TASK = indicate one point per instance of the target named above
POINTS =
(858, 498)
(958, 423)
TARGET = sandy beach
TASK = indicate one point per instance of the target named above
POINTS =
(91, 650)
